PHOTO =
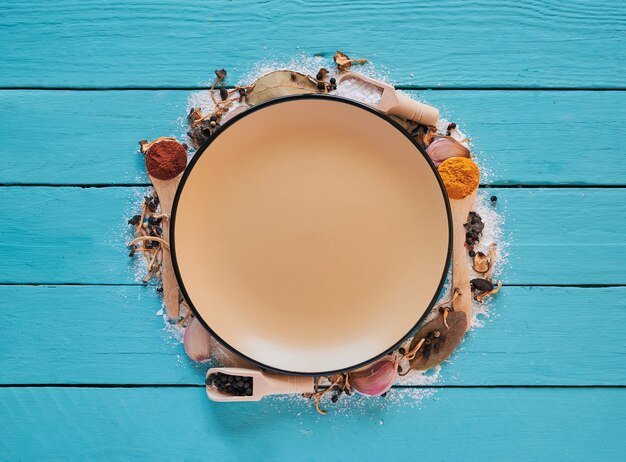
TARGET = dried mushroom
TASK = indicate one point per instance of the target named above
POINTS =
(481, 285)
(344, 63)
(280, 83)
(435, 341)
(493, 291)
(481, 262)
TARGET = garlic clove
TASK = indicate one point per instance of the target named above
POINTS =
(197, 341)
(375, 379)
(444, 148)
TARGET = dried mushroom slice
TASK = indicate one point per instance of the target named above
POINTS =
(481, 263)
(481, 285)
(280, 83)
(344, 63)
(437, 341)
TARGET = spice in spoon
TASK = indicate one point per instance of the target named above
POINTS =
(166, 159)
(460, 176)
(235, 385)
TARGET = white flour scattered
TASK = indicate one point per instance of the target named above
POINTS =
(493, 221)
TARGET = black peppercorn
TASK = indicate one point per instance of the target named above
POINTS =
(333, 81)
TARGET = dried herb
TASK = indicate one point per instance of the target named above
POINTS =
(436, 340)
(194, 117)
(280, 83)
(344, 63)
(339, 383)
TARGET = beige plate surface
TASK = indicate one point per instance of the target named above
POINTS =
(311, 235)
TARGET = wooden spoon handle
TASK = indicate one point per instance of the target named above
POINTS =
(460, 262)
(171, 293)
(166, 189)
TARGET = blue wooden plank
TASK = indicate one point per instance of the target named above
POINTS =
(446, 43)
(77, 235)
(111, 335)
(520, 137)
(180, 424)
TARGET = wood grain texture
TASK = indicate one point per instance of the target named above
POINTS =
(90, 137)
(488, 424)
(448, 43)
(77, 235)
(112, 335)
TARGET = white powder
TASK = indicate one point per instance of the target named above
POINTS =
(359, 91)
(493, 220)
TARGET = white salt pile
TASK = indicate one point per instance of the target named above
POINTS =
(359, 91)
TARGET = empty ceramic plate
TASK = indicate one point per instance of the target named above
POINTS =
(311, 235)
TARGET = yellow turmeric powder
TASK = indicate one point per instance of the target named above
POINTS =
(460, 176)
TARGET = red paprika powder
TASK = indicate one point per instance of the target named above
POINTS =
(166, 159)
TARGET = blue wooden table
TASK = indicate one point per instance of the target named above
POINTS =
(86, 370)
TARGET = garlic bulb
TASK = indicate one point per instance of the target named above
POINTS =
(197, 341)
(444, 148)
(376, 379)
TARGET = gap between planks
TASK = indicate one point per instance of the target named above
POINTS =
(398, 87)
(194, 385)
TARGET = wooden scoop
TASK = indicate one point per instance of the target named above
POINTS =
(166, 189)
(395, 103)
(263, 384)
(460, 210)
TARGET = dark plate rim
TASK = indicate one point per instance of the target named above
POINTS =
(240, 116)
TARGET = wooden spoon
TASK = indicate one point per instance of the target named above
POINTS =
(165, 170)
(460, 263)
(166, 189)
(263, 384)
(454, 172)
